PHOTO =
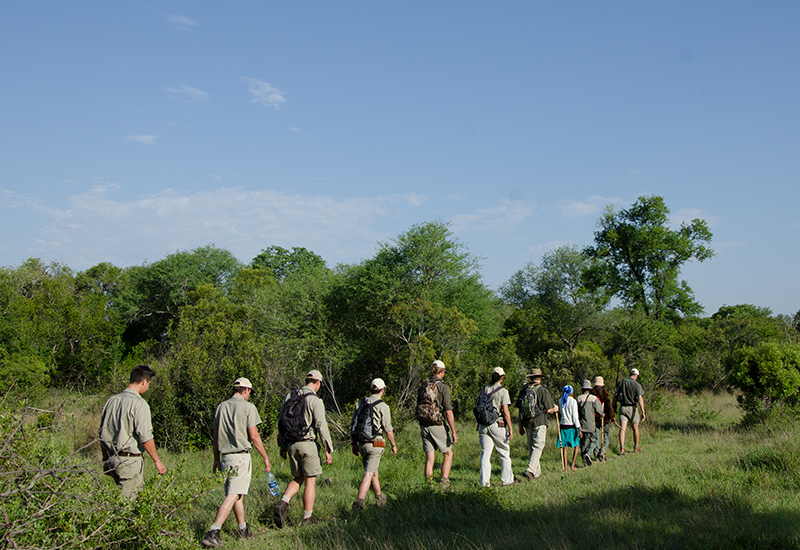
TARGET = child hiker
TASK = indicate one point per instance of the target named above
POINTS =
(570, 427)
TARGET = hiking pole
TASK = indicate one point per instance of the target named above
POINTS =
(603, 436)
(558, 444)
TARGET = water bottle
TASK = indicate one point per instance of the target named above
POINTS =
(274, 489)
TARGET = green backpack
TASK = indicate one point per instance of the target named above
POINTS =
(528, 403)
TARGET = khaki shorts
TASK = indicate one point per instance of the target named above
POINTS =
(127, 472)
(435, 438)
(629, 413)
(304, 459)
(370, 456)
(239, 470)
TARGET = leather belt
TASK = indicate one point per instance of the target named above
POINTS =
(127, 455)
(237, 452)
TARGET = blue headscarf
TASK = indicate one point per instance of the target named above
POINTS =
(567, 392)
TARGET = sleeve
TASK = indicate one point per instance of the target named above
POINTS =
(547, 399)
(386, 418)
(447, 402)
(320, 422)
(505, 398)
(598, 406)
(143, 423)
(253, 418)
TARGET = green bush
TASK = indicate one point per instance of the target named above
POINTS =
(767, 374)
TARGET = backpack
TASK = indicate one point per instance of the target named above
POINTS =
(428, 411)
(292, 422)
(528, 403)
(363, 429)
(485, 412)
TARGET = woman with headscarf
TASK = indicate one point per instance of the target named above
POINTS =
(570, 426)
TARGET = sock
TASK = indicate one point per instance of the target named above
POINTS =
(243, 526)
(286, 499)
(307, 513)
(215, 527)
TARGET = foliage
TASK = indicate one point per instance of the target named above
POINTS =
(283, 264)
(767, 374)
(640, 258)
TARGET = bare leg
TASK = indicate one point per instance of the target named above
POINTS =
(363, 489)
(238, 510)
(574, 457)
(623, 425)
(447, 463)
(294, 486)
(309, 493)
(429, 460)
(376, 485)
(635, 435)
(225, 508)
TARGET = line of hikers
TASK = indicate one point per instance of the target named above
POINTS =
(126, 432)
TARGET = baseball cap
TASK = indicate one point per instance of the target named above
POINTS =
(242, 383)
(438, 363)
(378, 384)
(635, 371)
(499, 370)
(315, 374)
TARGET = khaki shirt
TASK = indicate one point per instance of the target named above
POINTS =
(443, 395)
(498, 399)
(315, 418)
(125, 425)
(590, 405)
(232, 420)
(381, 415)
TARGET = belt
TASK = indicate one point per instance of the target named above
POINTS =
(237, 452)
(126, 455)
(501, 424)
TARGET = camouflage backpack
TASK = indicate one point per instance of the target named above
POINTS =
(428, 411)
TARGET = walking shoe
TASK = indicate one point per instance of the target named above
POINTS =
(444, 484)
(527, 474)
(245, 533)
(381, 500)
(515, 482)
(358, 505)
(637, 449)
(312, 520)
(622, 451)
(280, 513)
(587, 460)
(211, 540)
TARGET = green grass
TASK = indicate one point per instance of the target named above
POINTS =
(700, 482)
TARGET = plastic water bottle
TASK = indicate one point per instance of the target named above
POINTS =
(274, 488)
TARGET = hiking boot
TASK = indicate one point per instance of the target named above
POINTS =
(211, 540)
(637, 449)
(527, 474)
(280, 513)
(358, 505)
(312, 520)
(622, 451)
(245, 533)
(587, 460)
(515, 482)
(444, 484)
(381, 500)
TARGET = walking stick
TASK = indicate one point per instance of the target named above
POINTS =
(558, 443)
(603, 435)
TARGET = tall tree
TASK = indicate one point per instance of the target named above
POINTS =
(641, 258)
(282, 263)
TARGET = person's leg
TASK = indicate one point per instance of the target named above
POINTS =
(238, 510)
(606, 438)
(363, 489)
(447, 463)
(537, 437)
(309, 494)
(574, 457)
(487, 444)
(504, 452)
(636, 436)
(293, 486)
(623, 425)
(225, 509)
(430, 457)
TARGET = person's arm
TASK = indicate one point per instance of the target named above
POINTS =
(641, 405)
(507, 420)
(252, 431)
(452, 422)
(217, 467)
(150, 447)
(390, 437)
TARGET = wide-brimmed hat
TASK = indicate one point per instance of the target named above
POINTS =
(586, 385)
(534, 373)
(242, 383)
(598, 381)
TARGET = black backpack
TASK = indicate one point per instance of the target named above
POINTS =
(364, 429)
(484, 410)
(292, 422)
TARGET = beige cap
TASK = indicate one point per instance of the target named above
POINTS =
(242, 383)
(378, 384)
(635, 372)
(438, 363)
(315, 374)
(598, 381)
(499, 370)
(534, 373)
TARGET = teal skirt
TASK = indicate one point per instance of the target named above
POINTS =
(569, 437)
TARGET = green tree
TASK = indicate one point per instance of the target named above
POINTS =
(282, 263)
(641, 258)
(767, 374)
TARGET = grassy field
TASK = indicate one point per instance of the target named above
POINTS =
(700, 482)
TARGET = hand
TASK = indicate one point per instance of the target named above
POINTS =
(161, 468)
(328, 457)
(283, 453)
(354, 448)
(509, 435)
(455, 437)
(521, 429)
(394, 449)
(267, 465)
(217, 467)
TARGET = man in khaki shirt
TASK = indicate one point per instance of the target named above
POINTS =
(235, 426)
(126, 431)
(303, 454)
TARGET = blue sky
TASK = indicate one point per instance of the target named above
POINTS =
(132, 130)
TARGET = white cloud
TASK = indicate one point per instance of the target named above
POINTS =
(264, 93)
(590, 205)
(143, 139)
(501, 218)
(189, 94)
(95, 227)
(686, 215)
(181, 22)
(546, 247)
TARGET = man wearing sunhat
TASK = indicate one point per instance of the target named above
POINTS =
(303, 451)
(235, 433)
(589, 407)
(606, 419)
(536, 425)
(498, 434)
(629, 394)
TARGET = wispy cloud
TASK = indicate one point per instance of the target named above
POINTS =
(182, 22)
(95, 227)
(503, 217)
(546, 247)
(191, 95)
(686, 215)
(143, 139)
(264, 93)
(590, 205)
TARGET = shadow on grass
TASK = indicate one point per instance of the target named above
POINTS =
(686, 427)
(631, 517)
